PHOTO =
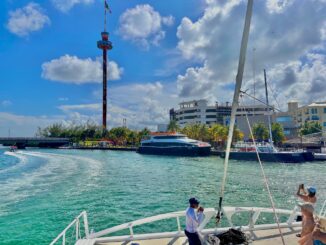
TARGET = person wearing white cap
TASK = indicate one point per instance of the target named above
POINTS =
(194, 216)
(307, 196)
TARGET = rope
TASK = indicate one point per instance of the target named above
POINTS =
(264, 103)
(265, 180)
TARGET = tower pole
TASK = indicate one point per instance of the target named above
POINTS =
(105, 44)
(105, 81)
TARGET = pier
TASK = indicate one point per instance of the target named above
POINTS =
(23, 142)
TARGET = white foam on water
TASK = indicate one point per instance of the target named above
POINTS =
(22, 161)
(56, 169)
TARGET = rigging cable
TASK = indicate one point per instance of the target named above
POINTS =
(265, 179)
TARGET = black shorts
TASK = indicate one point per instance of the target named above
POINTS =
(193, 238)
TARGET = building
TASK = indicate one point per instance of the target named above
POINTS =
(288, 120)
(314, 112)
(198, 111)
(256, 114)
(162, 127)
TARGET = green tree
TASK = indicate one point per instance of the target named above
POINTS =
(260, 131)
(277, 133)
(238, 135)
(142, 134)
(194, 131)
(218, 134)
(310, 128)
(119, 135)
(173, 126)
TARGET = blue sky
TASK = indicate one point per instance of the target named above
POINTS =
(164, 52)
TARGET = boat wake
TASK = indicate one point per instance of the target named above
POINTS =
(22, 160)
(46, 171)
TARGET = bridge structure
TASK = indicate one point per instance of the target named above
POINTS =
(23, 142)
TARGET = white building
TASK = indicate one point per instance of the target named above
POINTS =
(198, 111)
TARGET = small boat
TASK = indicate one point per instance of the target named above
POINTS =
(173, 144)
(13, 148)
(267, 153)
(319, 156)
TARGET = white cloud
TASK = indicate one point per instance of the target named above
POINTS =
(281, 34)
(71, 69)
(23, 125)
(142, 104)
(82, 107)
(66, 5)
(143, 25)
(6, 103)
(28, 19)
(301, 81)
(278, 6)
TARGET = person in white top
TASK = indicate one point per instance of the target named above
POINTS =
(194, 216)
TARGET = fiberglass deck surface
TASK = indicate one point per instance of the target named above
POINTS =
(266, 237)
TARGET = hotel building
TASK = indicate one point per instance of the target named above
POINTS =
(198, 111)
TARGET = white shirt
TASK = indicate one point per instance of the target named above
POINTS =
(193, 219)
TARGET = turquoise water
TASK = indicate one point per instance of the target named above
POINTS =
(42, 191)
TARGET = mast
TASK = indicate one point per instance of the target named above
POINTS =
(268, 108)
(235, 103)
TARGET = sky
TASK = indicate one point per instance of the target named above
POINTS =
(164, 52)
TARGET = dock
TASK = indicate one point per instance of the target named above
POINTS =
(109, 148)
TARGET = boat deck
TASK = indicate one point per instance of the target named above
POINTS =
(266, 237)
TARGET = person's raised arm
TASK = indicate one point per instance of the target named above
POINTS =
(192, 215)
(299, 190)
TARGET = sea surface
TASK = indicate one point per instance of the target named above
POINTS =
(41, 191)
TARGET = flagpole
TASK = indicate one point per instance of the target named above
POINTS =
(104, 17)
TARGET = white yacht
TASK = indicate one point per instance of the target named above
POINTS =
(173, 144)
(266, 226)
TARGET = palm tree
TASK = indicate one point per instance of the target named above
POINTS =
(260, 131)
(173, 126)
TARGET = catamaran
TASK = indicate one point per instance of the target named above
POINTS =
(173, 144)
(273, 231)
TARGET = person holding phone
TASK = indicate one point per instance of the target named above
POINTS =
(194, 217)
(308, 195)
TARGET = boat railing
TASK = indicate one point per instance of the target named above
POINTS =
(323, 210)
(209, 213)
(74, 224)
(106, 235)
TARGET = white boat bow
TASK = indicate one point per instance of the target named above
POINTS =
(105, 236)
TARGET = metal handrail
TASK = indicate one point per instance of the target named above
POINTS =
(102, 236)
(75, 222)
(323, 210)
(209, 214)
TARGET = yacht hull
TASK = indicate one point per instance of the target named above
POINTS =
(285, 157)
(175, 151)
